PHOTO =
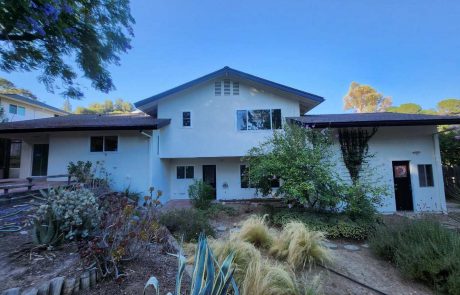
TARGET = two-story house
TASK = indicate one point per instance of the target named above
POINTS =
(14, 108)
(203, 128)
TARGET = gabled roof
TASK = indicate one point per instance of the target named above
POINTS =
(227, 72)
(34, 102)
(84, 122)
(373, 119)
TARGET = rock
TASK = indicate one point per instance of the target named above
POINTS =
(84, 281)
(92, 277)
(56, 286)
(221, 228)
(365, 245)
(69, 284)
(24, 232)
(44, 289)
(33, 291)
(13, 291)
(351, 247)
(330, 245)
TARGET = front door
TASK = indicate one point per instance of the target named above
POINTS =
(40, 160)
(402, 185)
(209, 176)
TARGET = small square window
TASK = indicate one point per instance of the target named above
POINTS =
(180, 172)
(110, 143)
(13, 109)
(186, 119)
(425, 175)
(97, 144)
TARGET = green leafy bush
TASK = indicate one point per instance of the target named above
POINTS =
(186, 223)
(424, 250)
(334, 225)
(201, 194)
(76, 209)
(80, 170)
(214, 210)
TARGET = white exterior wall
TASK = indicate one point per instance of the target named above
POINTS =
(214, 132)
(129, 167)
(418, 145)
(31, 112)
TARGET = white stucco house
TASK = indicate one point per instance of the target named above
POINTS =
(19, 108)
(202, 129)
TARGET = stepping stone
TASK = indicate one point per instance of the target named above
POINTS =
(365, 245)
(221, 228)
(351, 247)
(24, 232)
(330, 245)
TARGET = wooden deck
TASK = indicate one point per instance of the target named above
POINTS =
(38, 185)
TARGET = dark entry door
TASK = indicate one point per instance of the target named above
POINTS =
(403, 187)
(40, 160)
(209, 176)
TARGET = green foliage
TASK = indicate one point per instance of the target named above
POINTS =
(406, 108)
(450, 106)
(214, 210)
(360, 200)
(208, 277)
(46, 231)
(47, 34)
(8, 87)
(186, 223)
(108, 107)
(424, 250)
(303, 160)
(80, 170)
(76, 210)
(335, 226)
(450, 148)
(365, 99)
(201, 194)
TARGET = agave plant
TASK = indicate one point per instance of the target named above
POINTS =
(206, 278)
(46, 231)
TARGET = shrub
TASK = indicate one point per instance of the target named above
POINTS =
(299, 245)
(80, 170)
(334, 225)
(76, 209)
(255, 231)
(201, 194)
(124, 234)
(214, 210)
(46, 232)
(423, 250)
(186, 223)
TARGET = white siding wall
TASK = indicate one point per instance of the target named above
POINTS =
(129, 166)
(30, 113)
(213, 132)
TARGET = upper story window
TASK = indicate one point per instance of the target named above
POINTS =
(104, 143)
(230, 87)
(258, 119)
(425, 175)
(185, 172)
(186, 119)
(17, 110)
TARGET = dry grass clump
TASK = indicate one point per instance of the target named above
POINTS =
(255, 231)
(244, 254)
(299, 245)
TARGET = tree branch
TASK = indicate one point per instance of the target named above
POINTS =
(22, 37)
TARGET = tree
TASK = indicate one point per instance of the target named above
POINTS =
(406, 108)
(303, 162)
(47, 34)
(107, 107)
(8, 87)
(67, 106)
(365, 99)
(450, 106)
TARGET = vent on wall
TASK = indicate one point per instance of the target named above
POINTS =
(236, 88)
(226, 87)
(218, 88)
(230, 88)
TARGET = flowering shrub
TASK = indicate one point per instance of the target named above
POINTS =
(76, 210)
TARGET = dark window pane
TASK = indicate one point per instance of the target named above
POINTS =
(180, 172)
(190, 172)
(429, 175)
(259, 120)
(186, 119)
(13, 109)
(111, 143)
(97, 143)
(242, 120)
(421, 175)
(15, 154)
(276, 119)
(244, 177)
(275, 182)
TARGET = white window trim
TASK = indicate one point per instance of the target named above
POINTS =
(103, 144)
(182, 119)
(185, 172)
(259, 130)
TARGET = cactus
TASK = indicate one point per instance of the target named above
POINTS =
(46, 231)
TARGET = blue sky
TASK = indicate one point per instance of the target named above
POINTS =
(409, 50)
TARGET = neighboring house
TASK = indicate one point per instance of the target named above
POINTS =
(18, 108)
(202, 129)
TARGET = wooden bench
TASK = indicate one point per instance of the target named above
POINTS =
(7, 187)
(45, 177)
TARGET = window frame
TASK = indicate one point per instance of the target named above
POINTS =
(271, 112)
(103, 144)
(186, 176)
(15, 107)
(427, 179)
(182, 119)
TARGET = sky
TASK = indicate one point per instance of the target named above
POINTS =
(409, 50)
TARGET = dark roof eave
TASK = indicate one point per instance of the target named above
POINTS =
(434, 122)
(86, 128)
